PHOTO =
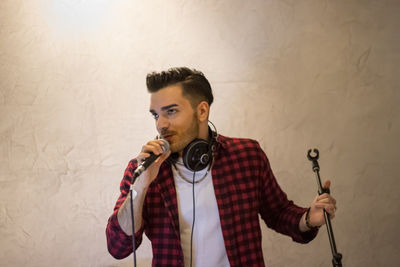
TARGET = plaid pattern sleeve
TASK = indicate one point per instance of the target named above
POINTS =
(277, 211)
(119, 244)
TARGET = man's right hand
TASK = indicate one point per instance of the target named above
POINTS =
(155, 147)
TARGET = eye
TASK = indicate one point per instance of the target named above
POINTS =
(155, 115)
(172, 111)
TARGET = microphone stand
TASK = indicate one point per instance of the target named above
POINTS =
(337, 257)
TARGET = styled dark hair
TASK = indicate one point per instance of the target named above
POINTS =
(195, 85)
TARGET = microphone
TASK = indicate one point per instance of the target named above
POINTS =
(148, 161)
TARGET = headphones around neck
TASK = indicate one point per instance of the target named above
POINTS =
(198, 154)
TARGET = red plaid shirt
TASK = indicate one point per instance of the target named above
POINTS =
(244, 187)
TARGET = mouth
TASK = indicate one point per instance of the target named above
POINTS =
(167, 137)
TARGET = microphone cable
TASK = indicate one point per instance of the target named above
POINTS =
(194, 209)
(138, 171)
(133, 229)
(193, 221)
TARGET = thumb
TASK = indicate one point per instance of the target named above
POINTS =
(327, 184)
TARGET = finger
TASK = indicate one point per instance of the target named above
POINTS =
(325, 198)
(330, 208)
(152, 147)
(324, 201)
(325, 204)
(159, 143)
(327, 184)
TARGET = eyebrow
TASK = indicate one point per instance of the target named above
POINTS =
(164, 108)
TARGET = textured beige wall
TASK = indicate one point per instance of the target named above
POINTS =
(291, 74)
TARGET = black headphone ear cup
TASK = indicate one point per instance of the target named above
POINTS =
(196, 155)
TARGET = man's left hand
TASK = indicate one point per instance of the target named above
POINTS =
(320, 203)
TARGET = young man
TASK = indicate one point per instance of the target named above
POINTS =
(227, 196)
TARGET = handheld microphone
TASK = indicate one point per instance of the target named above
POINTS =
(148, 161)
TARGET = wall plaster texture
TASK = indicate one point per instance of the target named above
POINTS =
(292, 74)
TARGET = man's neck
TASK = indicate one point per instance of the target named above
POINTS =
(203, 132)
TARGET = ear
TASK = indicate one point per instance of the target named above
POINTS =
(203, 110)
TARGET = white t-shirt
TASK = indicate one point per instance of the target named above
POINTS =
(208, 242)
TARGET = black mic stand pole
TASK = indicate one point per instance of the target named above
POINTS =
(337, 257)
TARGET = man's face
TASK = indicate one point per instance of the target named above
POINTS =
(176, 121)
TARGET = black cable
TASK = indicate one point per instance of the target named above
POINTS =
(133, 231)
(194, 219)
(134, 176)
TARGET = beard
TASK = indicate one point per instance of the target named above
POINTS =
(179, 139)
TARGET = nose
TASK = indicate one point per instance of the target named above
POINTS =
(162, 124)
